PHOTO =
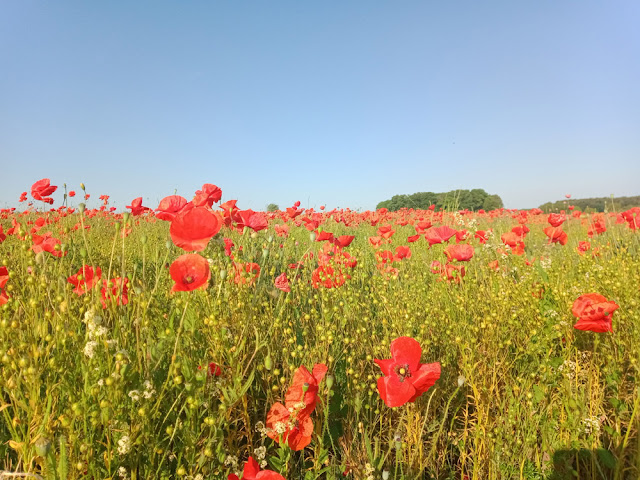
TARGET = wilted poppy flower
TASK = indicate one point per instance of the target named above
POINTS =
(405, 378)
(460, 251)
(86, 278)
(116, 290)
(206, 197)
(42, 189)
(252, 472)
(189, 271)
(282, 283)
(192, 229)
(4, 278)
(594, 312)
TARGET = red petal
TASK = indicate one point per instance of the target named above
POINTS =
(394, 392)
(406, 351)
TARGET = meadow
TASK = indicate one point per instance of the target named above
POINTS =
(197, 340)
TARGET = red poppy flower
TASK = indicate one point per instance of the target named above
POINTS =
(291, 422)
(375, 241)
(189, 271)
(328, 276)
(42, 189)
(86, 278)
(343, 241)
(282, 283)
(246, 273)
(256, 221)
(402, 252)
(206, 197)
(3, 237)
(252, 472)
(23, 197)
(460, 252)
(4, 278)
(632, 217)
(324, 236)
(482, 236)
(192, 229)
(413, 238)
(171, 206)
(405, 378)
(72, 193)
(556, 219)
(282, 230)
(583, 247)
(594, 313)
(46, 243)
(385, 231)
(214, 369)
(136, 207)
(556, 235)
(116, 290)
(439, 234)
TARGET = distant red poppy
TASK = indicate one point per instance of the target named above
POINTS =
(375, 241)
(441, 234)
(23, 197)
(405, 378)
(42, 189)
(482, 236)
(3, 237)
(4, 278)
(556, 219)
(282, 283)
(189, 272)
(115, 290)
(214, 370)
(461, 252)
(413, 238)
(136, 207)
(324, 236)
(192, 229)
(86, 278)
(556, 235)
(256, 221)
(583, 247)
(568, 195)
(246, 273)
(206, 197)
(402, 252)
(46, 243)
(632, 217)
(252, 472)
(282, 230)
(72, 193)
(594, 313)
(343, 241)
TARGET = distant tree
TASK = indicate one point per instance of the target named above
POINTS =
(598, 204)
(272, 207)
(454, 200)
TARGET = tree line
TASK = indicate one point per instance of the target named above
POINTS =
(476, 199)
(599, 204)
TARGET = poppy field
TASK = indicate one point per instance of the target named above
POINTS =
(198, 340)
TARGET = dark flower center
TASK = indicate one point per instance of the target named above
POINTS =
(402, 371)
(188, 279)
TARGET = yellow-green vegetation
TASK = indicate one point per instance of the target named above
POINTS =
(126, 391)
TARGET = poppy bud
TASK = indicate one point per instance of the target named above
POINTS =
(43, 446)
(82, 186)
(461, 381)
(268, 362)
(312, 236)
(143, 239)
(265, 252)
(168, 244)
(397, 438)
(270, 238)
(329, 381)
(117, 226)
(385, 475)
(223, 274)
(83, 254)
(81, 207)
(125, 217)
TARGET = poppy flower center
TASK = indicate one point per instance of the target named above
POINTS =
(188, 280)
(402, 371)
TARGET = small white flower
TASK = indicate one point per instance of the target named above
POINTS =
(124, 445)
(90, 348)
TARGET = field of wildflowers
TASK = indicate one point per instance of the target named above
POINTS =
(197, 340)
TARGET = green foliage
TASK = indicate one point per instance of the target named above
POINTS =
(272, 207)
(599, 204)
(474, 200)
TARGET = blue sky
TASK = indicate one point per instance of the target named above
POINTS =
(336, 103)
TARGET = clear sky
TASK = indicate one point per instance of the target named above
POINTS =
(338, 103)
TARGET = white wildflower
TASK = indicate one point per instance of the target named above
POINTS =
(90, 348)
(260, 452)
(124, 445)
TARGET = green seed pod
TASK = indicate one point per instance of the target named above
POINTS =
(43, 446)
(81, 207)
(329, 381)
(268, 362)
